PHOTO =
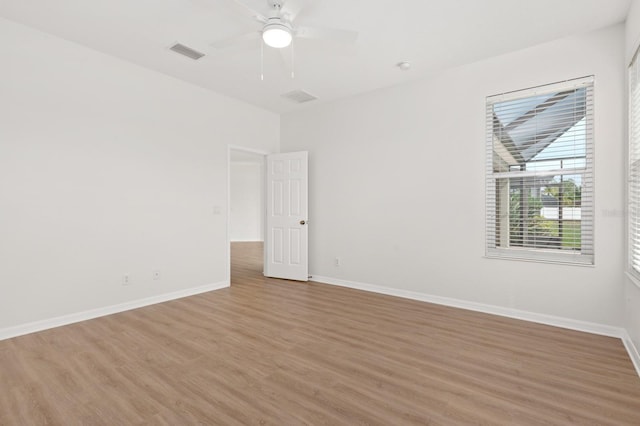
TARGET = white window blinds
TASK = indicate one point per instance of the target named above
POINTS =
(633, 177)
(539, 173)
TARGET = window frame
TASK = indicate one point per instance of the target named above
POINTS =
(633, 184)
(586, 255)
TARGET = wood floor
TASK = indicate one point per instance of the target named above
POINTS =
(285, 353)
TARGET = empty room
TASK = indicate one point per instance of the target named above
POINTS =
(288, 212)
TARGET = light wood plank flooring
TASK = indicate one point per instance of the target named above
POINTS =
(285, 353)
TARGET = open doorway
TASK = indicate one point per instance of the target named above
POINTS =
(246, 211)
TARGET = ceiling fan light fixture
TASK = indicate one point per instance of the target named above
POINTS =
(277, 34)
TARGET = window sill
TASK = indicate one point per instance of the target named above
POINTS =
(541, 257)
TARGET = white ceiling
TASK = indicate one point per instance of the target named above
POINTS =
(432, 35)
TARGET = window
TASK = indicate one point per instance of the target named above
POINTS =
(540, 173)
(633, 178)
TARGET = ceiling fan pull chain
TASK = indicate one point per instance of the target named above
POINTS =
(261, 60)
(293, 64)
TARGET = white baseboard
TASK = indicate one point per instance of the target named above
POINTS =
(588, 327)
(632, 350)
(571, 324)
(32, 327)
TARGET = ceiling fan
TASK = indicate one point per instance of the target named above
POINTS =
(278, 27)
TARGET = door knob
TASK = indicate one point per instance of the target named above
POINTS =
(302, 222)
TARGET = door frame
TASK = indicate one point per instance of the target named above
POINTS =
(231, 147)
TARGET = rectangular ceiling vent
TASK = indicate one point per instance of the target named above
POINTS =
(299, 96)
(186, 51)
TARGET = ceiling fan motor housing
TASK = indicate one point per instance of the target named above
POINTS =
(277, 33)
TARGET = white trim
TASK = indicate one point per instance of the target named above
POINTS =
(635, 51)
(249, 150)
(588, 327)
(32, 327)
(539, 256)
(542, 89)
(632, 350)
(497, 247)
(632, 278)
(245, 163)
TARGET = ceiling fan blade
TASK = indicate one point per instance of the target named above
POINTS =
(243, 9)
(291, 8)
(248, 40)
(329, 34)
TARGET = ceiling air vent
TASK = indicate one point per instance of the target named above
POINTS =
(186, 51)
(299, 96)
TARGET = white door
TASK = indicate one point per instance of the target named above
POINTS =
(286, 236)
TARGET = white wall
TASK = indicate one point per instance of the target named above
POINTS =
(107, 168)
(397, 184)
(632, 31)
(632, 290)
(247, 206)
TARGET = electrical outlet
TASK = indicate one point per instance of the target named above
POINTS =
(156, 275)
(126, 279)
(336, 261)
